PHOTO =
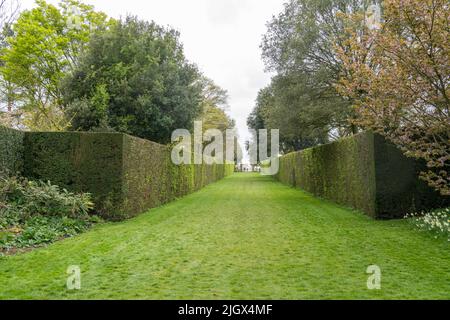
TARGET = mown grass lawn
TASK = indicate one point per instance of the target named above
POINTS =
(246, 237)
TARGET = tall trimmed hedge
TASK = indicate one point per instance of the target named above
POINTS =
(399, 190)
(363, 172)
(80, 162)
(125, 175)
(11, 151)
(151, 179)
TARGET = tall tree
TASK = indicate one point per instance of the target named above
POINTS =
(134, 78)
(44, 46)
(300, 47)
(398, 78)
(298, 130)
(9, 9)
(213, 115)
(213, 105)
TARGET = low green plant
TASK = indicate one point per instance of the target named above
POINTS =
(34, 213)
(41, 230)
(30, 198)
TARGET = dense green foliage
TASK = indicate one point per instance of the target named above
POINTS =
(134, 78)
(80, 162)
(245, 237)
(363, 172)
(34, 213)
(28, 198)
(214, 116)
(38, 231)
(296, 132)
(213, 106)
(125, 175)
(69, 67)
(42, 47)
(11, 151)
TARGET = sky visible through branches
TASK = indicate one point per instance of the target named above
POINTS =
(222, 37)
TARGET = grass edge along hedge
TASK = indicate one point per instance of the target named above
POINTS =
(125, 175)
(363, 172)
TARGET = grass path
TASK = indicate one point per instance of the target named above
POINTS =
(246, 237)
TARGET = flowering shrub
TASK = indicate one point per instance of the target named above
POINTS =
(437, 222)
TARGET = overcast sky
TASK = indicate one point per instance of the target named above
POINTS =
(221, 36)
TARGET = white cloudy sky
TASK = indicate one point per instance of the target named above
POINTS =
(221, 36)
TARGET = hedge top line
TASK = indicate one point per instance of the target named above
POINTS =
(336, 142)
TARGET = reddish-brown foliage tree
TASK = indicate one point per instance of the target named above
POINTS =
(398, 77)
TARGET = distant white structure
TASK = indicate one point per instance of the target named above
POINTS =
(247, 168)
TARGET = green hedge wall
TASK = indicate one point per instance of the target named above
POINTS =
(11, 151)
(363, 172)
(399, 190)
(80, 162)
(125, 175)
(151, 179)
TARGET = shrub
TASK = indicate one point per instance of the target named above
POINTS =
(436, 222)
(30, 198)
(39, 230)
(34, 213)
